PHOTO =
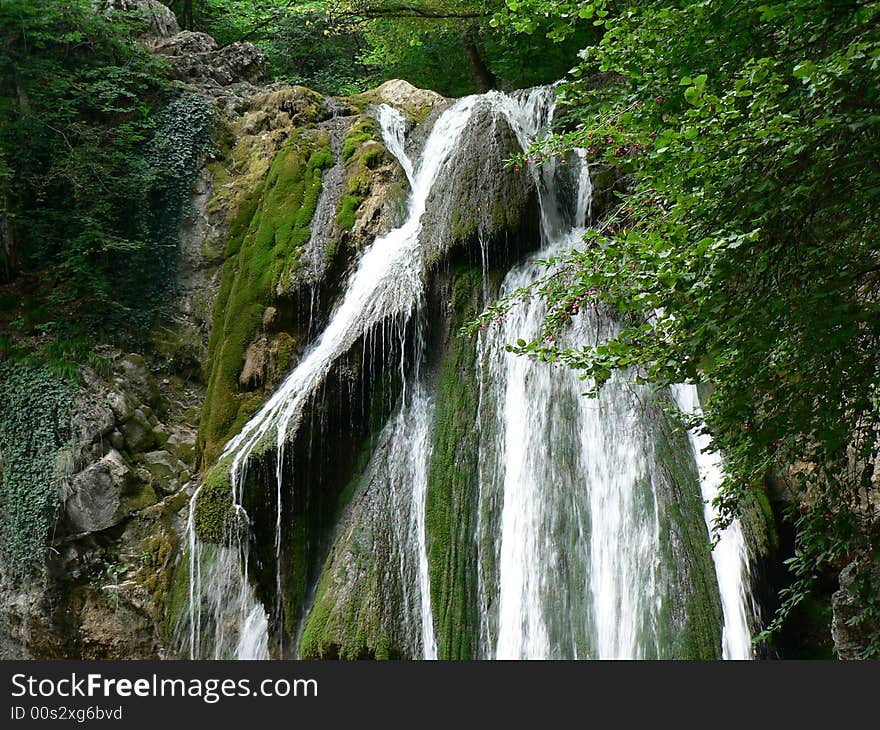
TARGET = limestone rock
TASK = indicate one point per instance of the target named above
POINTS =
(266, 360)
(182, 443)
(164, 470)
(98, 494)
(414, 102)
(851, 642)
(138, 432)
(479, 198)
(162, 23)
(133, 377)
(197, 59)
(112, 625)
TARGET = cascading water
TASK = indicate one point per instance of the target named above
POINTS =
(574, 566)
(572, 532)
(576, 550)
(387, 285)
(731, 554)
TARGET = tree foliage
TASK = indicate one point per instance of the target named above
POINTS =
(92, 178)
(347, 46)
(745, 250)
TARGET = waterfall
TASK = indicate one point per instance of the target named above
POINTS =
(730, 555)
(573, 530)
(578, 541)
(387, 285)
(219, 592)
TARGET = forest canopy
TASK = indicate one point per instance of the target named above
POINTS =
(454, 47)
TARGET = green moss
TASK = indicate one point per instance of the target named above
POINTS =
(759, 523)
(145, 497)
(286, 346)
(463, 229)
(355, 619)
(350, 628)
(214, 514)
(345, 631)
(418, 113)
(373, 156)
(266, 238)
(362, 154)
(691, 626)
(451, 501)
(363, 130)
(345, 214)
(176, 602)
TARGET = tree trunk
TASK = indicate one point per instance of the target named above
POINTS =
(8, 258)
(484, 79)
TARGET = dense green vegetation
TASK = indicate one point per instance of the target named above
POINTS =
(35, 425)
(94, 161)
(745, 250)
(342, 47)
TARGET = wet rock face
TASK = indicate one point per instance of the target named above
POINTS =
(479, 198)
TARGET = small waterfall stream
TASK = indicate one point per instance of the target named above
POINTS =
(571, 530)
(731, 555)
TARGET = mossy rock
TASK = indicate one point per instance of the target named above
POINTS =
(214, 515)
(266, 241)
(362, 152)
(416, 103)
(451, 503)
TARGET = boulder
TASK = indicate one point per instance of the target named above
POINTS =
(852, 641)
(164, 470)
(161, 21)
(478, 198)
(182, 443)
(197, 59)
(98, 494)
(411, 100)
(133, 378)
(138, 432)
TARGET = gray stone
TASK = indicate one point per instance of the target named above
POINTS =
(162, 23)
(138, 433)
(122, 405)
(117, 440)
(852, 642)
(97, 500)
(160, 431)
(408, 98)
(196, 58)
(164, 470)
(135, 379)
(182, 443)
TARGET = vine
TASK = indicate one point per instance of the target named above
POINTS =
(35, 423)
